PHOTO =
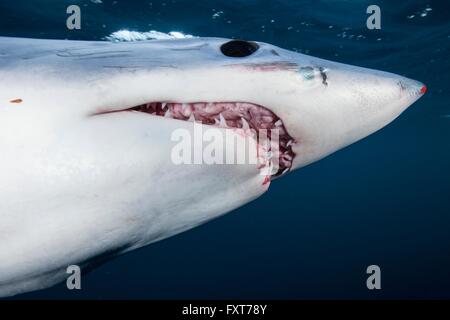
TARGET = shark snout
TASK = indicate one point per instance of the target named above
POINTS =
(412, 87)
(373, 96)
(344, 104)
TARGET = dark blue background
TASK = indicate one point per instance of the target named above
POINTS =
(384, 200)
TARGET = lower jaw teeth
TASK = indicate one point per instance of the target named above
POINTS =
(211, 113)
(245, 125)
(222, 121)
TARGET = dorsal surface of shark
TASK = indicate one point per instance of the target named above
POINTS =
(86, 166)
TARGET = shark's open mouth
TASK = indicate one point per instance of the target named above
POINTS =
(229, 115)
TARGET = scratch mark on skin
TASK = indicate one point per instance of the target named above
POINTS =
(16, 101)
(324, 76)
(80, 54)
(272, 66)
(195, 47)
(124, 67)
(139, 67)
(103, 57)
(274, 52)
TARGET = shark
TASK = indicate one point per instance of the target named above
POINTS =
(86, 138)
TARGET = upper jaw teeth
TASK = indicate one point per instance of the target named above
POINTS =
(222, 121)
(245, 125)
(250, 116)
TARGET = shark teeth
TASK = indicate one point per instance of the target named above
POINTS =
(245, 125)
(249, 118)
(287, 156)
(186, 109)
(222, 122)
(209, 107)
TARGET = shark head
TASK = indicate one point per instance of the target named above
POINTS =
(85, 136)
(319, 106)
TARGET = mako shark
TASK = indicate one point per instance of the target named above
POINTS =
(85, 136)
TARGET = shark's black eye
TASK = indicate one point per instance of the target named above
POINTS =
(238, 48)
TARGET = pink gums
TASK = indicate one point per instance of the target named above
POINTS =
(231, 115)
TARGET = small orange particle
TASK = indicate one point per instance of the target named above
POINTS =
(16, 101)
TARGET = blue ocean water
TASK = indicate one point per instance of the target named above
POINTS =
(384, 200)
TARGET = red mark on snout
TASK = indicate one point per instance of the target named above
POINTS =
(266, 180)
(16, 101)
(423, 89)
